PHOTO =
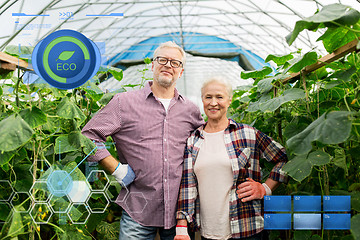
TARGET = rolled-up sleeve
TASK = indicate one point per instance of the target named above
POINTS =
(105, 122)
(272, 151)
(188, 191)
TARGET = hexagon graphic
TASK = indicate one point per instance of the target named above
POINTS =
(79, 213)
(60, 219)
(113, 190)
(139, 197)
(40, 213)
(39, 191)
(59, 183)
(98, 180)
(5, 209)
(79, 192)
(97, 202)
(59, 204)
(21, 202)
(42, 169)
(6, 190)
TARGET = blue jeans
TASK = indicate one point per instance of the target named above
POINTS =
(131, 230)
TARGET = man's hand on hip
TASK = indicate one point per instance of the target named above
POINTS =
(124, 174)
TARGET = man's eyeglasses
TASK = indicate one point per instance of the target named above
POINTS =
(173, 63)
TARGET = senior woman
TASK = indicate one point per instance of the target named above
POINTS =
(221, 191)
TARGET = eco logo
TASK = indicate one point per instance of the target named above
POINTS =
(66, 59)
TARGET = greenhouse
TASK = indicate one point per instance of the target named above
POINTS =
(83, 155)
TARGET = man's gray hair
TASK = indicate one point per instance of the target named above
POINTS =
(171, 44)
(220, 80)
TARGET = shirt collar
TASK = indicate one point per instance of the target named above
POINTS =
(148, 91)
(199, 130)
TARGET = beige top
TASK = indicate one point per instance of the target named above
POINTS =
(215, 178)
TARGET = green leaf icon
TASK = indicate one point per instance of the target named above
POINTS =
(65, 55)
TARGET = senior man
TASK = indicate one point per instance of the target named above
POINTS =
(149, 127)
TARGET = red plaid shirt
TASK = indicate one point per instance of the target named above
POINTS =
(245, 146)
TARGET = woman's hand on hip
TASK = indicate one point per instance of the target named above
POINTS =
(250, 190)
(182, 237)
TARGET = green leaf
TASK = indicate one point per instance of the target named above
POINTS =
(355, 223)
(16, 51)
(65, 55)
(79, 141)
(69, 110)
(318, 158)
(341, 76)
(355, 200)
(147, 60)
(265, 85)
(34, 116)
(334, 12)
(16, 226)
(256, 73)
(300, 166)
(288, 95)
(24, 183)
(299, 27)
(117, 73)
(108, 231)
(294, 128)
(62, 145)
(76, 174)
(331, 128)
(279, 59)
(334, 38)
(5, 157)
(106, 98)
(302, 235)
(340, 160)
(299, 63)
(14, 133)
(315, 237)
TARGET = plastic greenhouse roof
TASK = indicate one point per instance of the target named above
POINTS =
(252, 28)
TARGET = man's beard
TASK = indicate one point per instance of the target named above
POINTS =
(166, 83)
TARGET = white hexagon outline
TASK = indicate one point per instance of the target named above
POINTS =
(30, 192)
(122, 186)
(50, 185)
(32, 208)
(89, 187)
(107, 181)
(146, 202)
(97, 192)
(54, 211)
(11, 212)
(87, 209)
(31, 200)
(32, 166)
(12, 191)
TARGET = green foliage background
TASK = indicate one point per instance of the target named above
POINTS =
(316, 117)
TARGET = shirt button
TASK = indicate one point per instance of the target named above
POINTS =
(165, 159)
(164, 139)
(165, 179)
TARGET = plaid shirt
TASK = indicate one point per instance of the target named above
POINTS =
(245, 146)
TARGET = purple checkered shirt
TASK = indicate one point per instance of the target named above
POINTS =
(152, 142)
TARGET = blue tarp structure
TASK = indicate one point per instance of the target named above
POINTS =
(194, 43)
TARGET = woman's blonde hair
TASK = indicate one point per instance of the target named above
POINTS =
(220, 80)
